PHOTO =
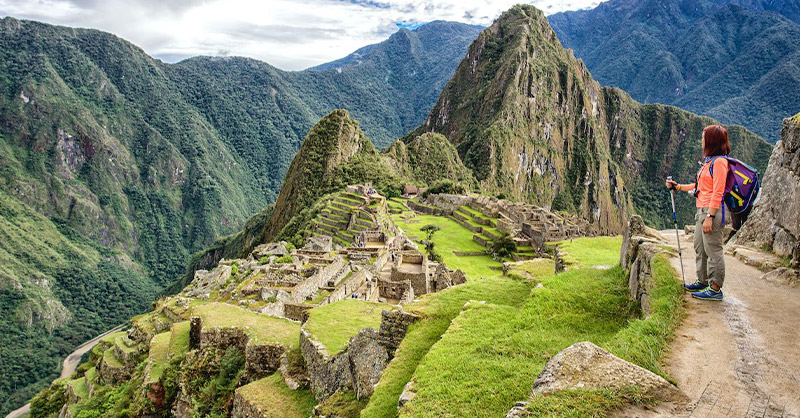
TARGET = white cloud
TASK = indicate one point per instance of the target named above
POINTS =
(290, 34)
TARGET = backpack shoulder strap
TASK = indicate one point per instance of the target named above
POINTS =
(714, 159)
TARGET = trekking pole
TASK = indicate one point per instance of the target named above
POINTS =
(677, 236)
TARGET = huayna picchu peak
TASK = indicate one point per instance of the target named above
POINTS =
(497, 258)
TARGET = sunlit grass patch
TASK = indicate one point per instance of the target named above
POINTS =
(335, 323)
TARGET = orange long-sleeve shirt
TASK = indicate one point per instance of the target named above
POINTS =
(711, 190)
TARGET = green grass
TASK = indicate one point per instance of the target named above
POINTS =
(591, 251)
(91, 374)
(110, 338)
(260, 328)
(274, 399)
(334, 323)
(120, 341)
(159, 353)
(491, 353)
(321, 295)
(540, 267)
(79, 386)
(585, 403)
(452, 237)
(110, 358)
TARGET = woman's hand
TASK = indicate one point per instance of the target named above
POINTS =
(671, 184)
(708, 225)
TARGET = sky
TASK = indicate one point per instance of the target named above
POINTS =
(289, 34)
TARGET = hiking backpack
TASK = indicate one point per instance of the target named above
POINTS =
(742, 188)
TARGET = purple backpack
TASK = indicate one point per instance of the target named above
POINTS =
(742, 188)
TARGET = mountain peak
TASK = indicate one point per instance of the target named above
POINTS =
(332, 142)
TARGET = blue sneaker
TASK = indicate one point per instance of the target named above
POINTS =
(696, 286)
(708, 294)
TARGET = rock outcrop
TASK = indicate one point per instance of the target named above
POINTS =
(586, 366)
(775, 220)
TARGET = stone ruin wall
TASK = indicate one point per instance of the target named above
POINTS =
(360, 365)
(640, 246)
(346, 287)
(310, 286)
(394, 290)
(260, 359)
(296, 311)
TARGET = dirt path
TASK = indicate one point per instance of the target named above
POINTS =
(739, 357)
(69, 366)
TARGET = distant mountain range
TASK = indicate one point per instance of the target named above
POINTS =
(116, 166)
(737, 61)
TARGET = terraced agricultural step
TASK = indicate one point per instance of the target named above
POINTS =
(342, 206)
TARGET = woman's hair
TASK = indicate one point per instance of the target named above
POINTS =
(716, 141)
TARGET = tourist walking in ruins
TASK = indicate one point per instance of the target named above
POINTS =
(708, 191)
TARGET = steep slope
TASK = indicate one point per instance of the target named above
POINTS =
(336, 153)
(531, 122)
(320, 166)
(429, 158)
(114, 153)
(724, 59)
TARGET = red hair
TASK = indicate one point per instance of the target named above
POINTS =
(716, 141)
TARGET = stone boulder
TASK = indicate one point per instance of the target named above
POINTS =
(587, 366)
(775, 220)
(206, 282)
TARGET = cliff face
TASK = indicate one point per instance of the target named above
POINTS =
(775, 220)
(528, 119)
(532, 123)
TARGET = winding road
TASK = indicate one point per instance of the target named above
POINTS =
(69, 366)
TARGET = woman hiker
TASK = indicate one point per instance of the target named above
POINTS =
(708, 232)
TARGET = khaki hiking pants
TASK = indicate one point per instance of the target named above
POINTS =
(708, 249)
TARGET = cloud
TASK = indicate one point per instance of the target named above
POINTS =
(290, 34)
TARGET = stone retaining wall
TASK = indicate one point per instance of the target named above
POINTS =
(295, 311)
(394, 325)
(261, 360)
(640, 245)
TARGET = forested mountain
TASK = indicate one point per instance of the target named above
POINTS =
(532, 124)
(737, 61)
(116, 166)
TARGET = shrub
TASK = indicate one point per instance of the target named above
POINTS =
(286, 259)
(445, 186)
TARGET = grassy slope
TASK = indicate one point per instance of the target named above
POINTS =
(488, 356)
(261, 328)
(335, 323)
(275, 399)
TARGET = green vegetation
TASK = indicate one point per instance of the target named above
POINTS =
(505, 347)
(153, 161)
(586, 252)
(334, 323)
(284, 259)
(158, 356)
(342, 404)
(670, 63)
(261, 328)
(275, 399)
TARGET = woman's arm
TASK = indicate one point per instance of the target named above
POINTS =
(681, 187)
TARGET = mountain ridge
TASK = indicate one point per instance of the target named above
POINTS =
(721, 59)
(151, 161)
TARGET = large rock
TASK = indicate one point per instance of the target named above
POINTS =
(206, 282)
(775, 220)
(587, 366)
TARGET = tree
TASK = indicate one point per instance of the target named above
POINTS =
(504, 246)
(429, 230)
